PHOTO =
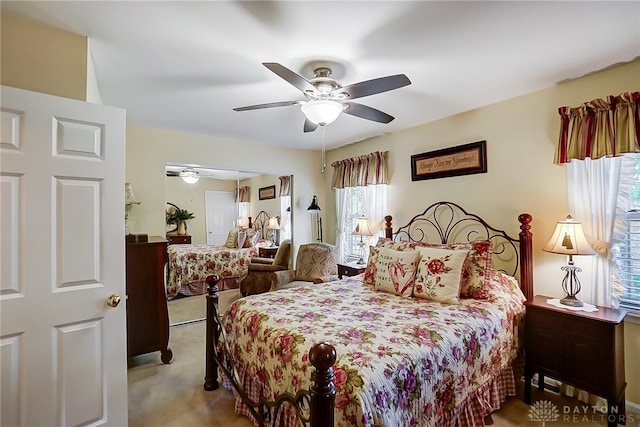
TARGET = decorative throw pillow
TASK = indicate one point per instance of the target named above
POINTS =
(476, 271)
(396, 271)
(232, 238)
(252, 238)
(439, 274)
(242, 237)
(370, 272)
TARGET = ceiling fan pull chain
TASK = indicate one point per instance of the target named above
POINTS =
(323, 142)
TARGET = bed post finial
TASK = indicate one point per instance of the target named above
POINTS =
(212, 334)
(323, 393)
(526, 255)
(388, 230)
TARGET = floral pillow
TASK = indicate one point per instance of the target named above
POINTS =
(370, 272)
(232, 238)
(439, 274)
(396, 271)
(476, 271)
(241, 238)
(252, 238)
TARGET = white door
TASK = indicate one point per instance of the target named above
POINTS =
(63, 355)
(222, 212)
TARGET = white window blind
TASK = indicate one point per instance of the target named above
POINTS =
(627, 253)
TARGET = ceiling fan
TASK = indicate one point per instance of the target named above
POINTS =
(326, 98)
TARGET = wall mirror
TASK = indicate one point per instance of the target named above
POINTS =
(220, 199)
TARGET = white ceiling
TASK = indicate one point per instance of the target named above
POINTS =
(185, 65)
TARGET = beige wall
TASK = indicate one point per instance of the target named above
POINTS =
(42, 59)
(521, 136)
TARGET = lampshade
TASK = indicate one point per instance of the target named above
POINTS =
(569, 239)
(322, 111)
(362, 228)
(129, 197)
(273, 223)
(313, 207)
(189, 176)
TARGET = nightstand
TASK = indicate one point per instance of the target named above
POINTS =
(583, 349)
(267, 252)
(350, 269)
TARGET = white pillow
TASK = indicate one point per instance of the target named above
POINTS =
(439, 274)
(396, 271)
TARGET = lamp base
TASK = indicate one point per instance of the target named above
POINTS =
(571, 301)
(360, 261)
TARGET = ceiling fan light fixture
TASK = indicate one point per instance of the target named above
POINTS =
(322, 111)
(189, 176)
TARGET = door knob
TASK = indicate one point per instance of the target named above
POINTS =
(113, 300)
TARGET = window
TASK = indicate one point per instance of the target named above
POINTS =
(354, 208)
(627, 252)
(352, 203)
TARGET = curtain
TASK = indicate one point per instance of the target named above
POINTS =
(285, 217)
(592, 188)
(341, 222)
(592, 138)
(285, 185)
(244, 194)
(369, 169)
(599, 128)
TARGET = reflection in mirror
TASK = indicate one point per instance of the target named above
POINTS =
(219, 200)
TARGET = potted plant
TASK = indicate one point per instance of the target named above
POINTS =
(180, 217)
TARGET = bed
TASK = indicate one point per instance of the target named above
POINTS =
(346, 353)
(190, 265)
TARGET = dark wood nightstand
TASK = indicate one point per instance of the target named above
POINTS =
(267, 252)
(178, 238)
(580, 348)
(350, 269)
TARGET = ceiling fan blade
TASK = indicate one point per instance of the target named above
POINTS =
(366, 112)
(309, 126)
(296, 80)
(371, 87)
(267, 105)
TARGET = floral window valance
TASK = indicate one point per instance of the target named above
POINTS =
(370, 169)
(602, 127)
(244, 194)
(285, 185)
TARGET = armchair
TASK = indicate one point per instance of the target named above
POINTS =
(316, 263)
(261, 276)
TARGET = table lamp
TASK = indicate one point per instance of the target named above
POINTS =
(273, 226)
(569, 239)
(362, 229)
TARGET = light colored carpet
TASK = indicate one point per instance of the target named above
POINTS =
(194, 308)
(172, 395)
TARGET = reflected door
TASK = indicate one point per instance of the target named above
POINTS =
(221, 212)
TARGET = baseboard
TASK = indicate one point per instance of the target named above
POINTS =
(633, 405)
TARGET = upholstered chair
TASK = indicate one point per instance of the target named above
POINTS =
(316, 263)
(261, 277)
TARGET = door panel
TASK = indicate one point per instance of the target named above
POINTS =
(62, 222)
(222, 212)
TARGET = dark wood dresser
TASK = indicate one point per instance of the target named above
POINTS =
(179, 238)
(583, 349)
(147, 313)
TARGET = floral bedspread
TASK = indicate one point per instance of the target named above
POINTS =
(400, 361)
(189, 266)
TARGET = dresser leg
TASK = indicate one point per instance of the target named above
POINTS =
(616, 414)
